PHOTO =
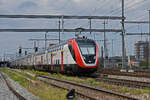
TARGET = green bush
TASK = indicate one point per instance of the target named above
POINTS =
(144, 63)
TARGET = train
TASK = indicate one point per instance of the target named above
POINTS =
(76, 55)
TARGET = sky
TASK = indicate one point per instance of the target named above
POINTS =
(134, 10)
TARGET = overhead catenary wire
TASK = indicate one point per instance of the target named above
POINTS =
(129, 8)
(103, 5)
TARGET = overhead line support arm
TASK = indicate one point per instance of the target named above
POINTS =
(57, 30)
(60, 16)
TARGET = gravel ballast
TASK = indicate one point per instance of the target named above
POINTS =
(27, 95)
(5, 93)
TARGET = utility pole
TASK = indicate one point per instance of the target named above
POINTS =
(123, 40)
(105, 45)
(62, 19)
(90, 27)
(112, 47)
(46, 41)
(102, 56)
(34, 44)
(149, 43)
(59, 29)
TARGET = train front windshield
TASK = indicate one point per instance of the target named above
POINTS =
(87, 49)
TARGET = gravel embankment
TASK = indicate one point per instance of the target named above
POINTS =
(5, 93)
(20, 90)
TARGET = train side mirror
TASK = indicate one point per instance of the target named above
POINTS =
(71, 94)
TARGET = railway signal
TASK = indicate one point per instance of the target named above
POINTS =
(20, 50)
(36, 49)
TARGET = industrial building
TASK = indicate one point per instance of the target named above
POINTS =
(142, 51)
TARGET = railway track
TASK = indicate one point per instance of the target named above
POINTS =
(20, 97)
(117, 72)
(89, 92)
(114, 81)
(80, 95)
(83, 91)
(123, 82)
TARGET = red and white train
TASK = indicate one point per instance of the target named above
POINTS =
(78, 55)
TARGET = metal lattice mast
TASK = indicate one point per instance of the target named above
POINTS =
(149, 43)
(123, 40)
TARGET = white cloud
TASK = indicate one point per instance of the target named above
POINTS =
(77, 1)
(67, 6)
(134, 3)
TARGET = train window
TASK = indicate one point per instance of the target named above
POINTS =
(87, 49)
(72, 51)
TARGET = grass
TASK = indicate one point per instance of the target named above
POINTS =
(46, 92)
(93, 82)
(37, 72)
(123, 90)
(38, 88)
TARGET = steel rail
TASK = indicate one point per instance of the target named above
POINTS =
(77, 92)
(108, 80)
(117, 72)
(90, 87)
(123, 82)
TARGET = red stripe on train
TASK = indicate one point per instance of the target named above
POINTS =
(51, 62)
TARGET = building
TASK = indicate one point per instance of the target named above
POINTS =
(142, 51)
